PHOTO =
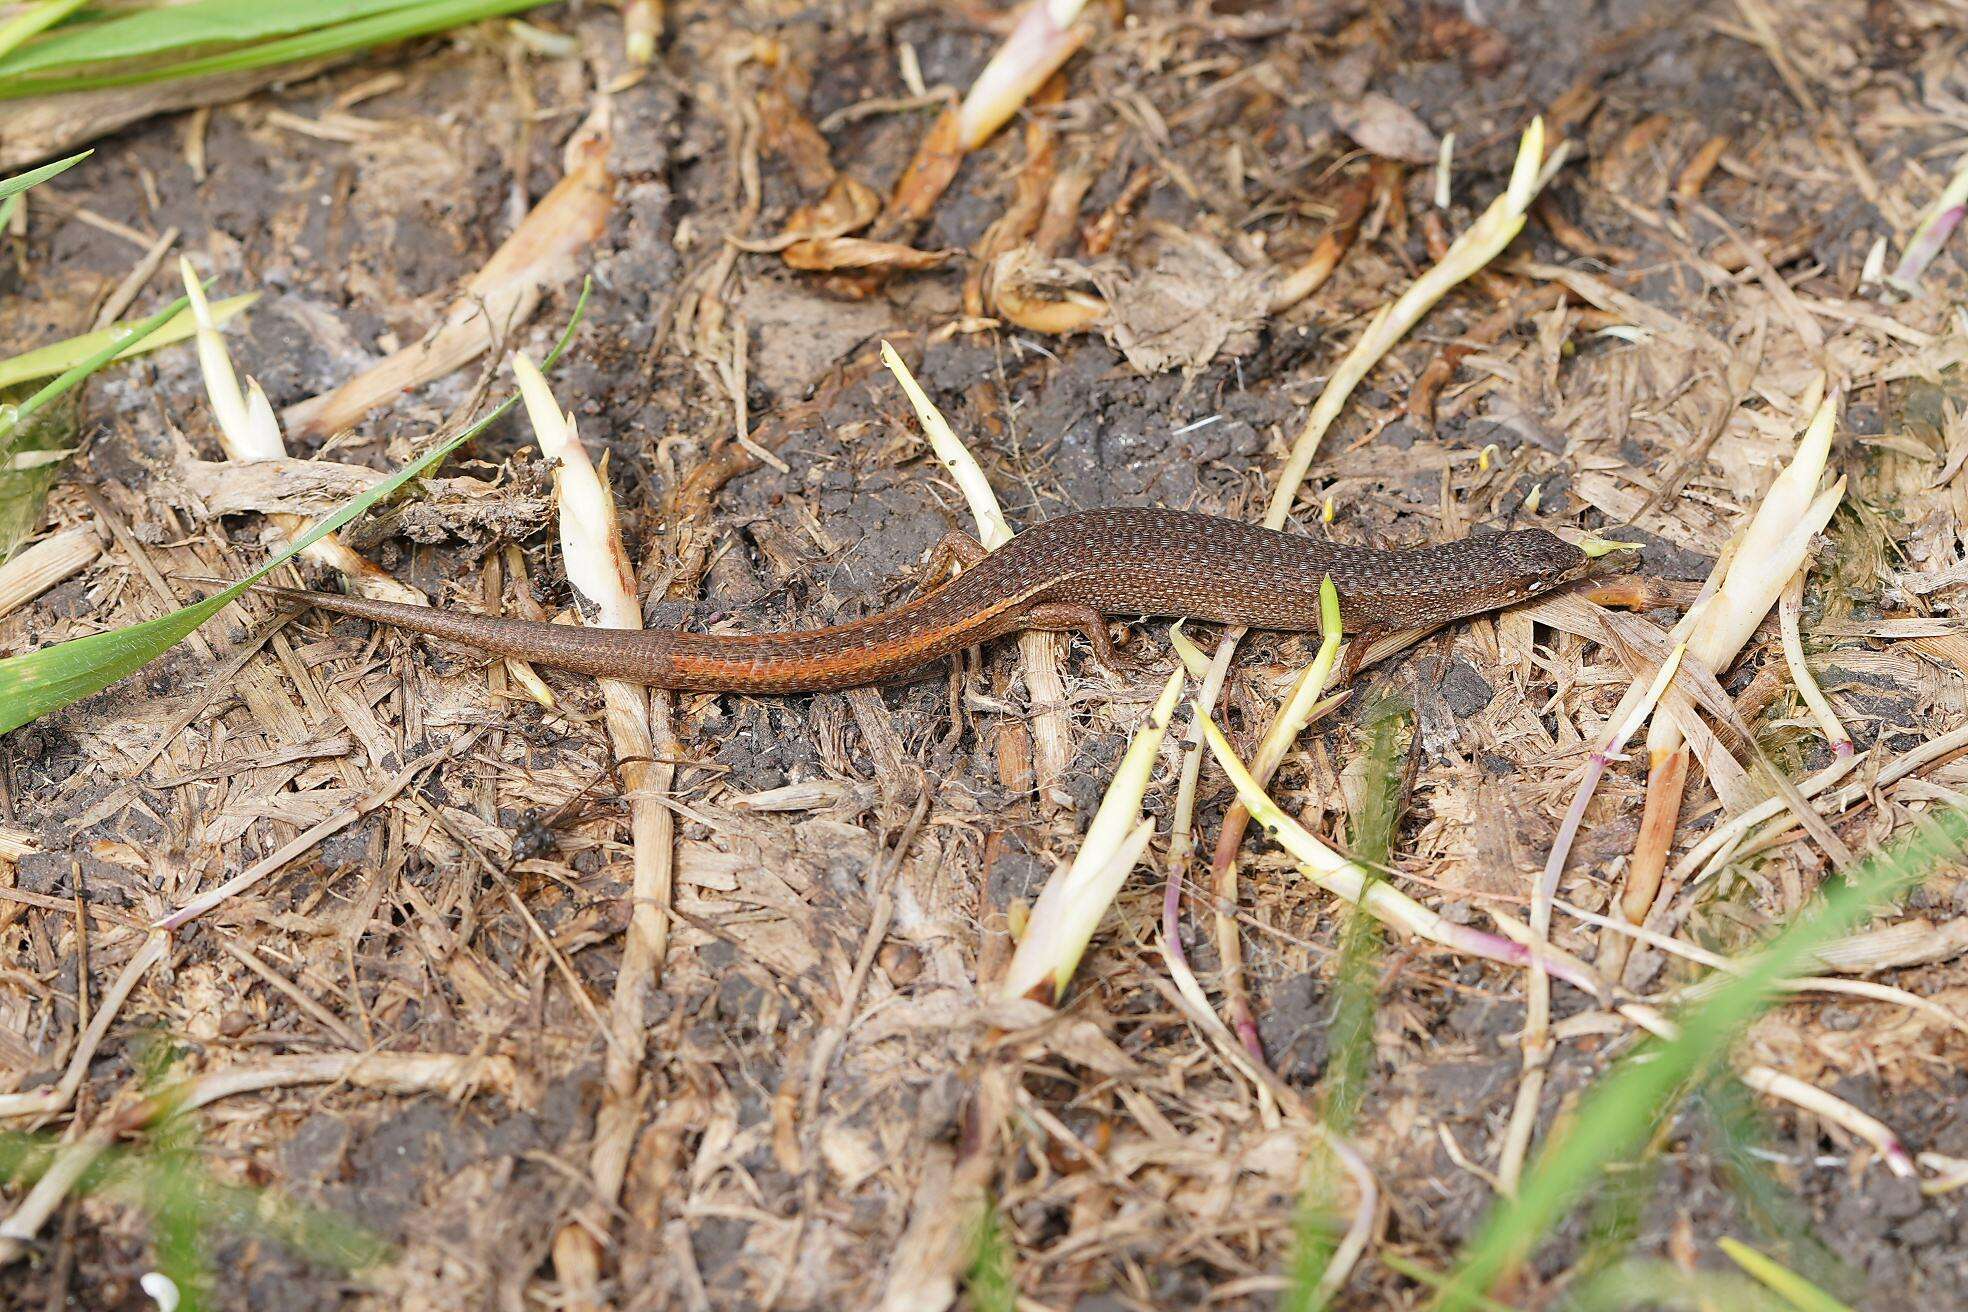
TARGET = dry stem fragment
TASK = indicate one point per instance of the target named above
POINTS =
(544, 251)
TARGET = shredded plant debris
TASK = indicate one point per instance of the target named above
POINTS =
(346, 969)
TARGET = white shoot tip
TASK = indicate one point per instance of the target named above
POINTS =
(550, 427)
(262, 423)
(201, 312)
(1192, 656)
(1171, 695)
(162, 1290)
(1524, 174)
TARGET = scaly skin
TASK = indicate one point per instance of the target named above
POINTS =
(1066, 573)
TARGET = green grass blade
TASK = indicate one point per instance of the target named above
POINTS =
(171, 1195)
(38, 682)
(47, 680)
(29, 466)
(988, 1281)
(70, 377)
(379, 29)
(1423, 1275)
(1614, 1223)
(1356, 980)
(1734, 1131)
(30, 22)
(1664, 1286)
(47, 361)
(1794, 1289)
(148, 33)
(22, 181)
(35, 429)
(1355, 1001)
(1626, 1106)
(157, 1180)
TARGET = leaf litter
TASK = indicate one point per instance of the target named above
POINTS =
(1140, 1158)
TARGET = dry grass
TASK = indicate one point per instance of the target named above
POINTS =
(814, 1098)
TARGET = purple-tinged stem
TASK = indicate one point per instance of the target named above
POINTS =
(1926, 244)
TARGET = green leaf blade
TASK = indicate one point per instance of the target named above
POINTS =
(38, 682)
(31, 430)
(75, 374)
(1794, 1289)
(57, 357)
(31, 459)
(318, 43)
(34, 684)
(31, 22)
(33, 177)
(149, 33)
(1625, 1107)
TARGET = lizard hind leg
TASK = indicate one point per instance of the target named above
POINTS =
(954, 549)
(1356, 648)
(1089, 623)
